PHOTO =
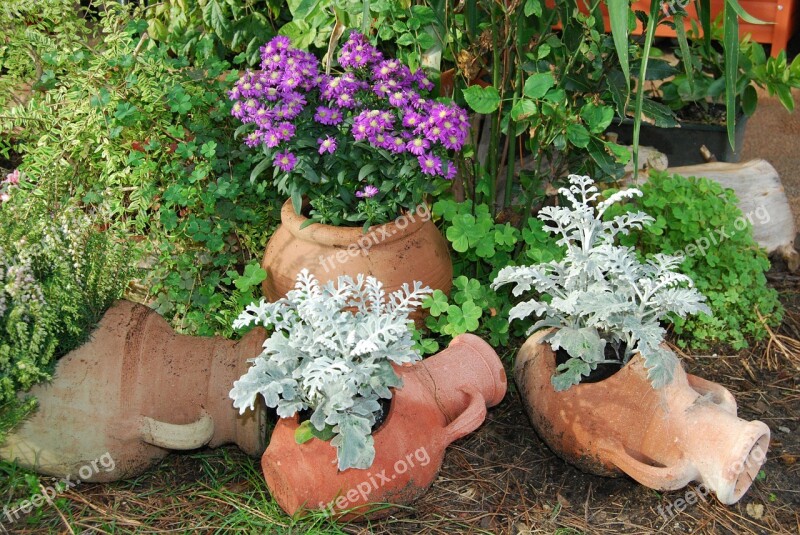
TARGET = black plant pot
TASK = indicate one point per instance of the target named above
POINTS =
(682, 145)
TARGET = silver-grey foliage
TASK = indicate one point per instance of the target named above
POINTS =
(600, 292)
(332, 351)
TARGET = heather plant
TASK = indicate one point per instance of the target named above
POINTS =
(58, 275)
(600, 293)
(362, 145)
(331, 352)
(145, 137)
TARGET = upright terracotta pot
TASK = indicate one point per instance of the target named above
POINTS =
(443, 398)
(133, 392)
(408, 249)
(663, 438)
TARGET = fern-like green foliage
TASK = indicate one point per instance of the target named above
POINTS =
(58, 275)
(332, 351)
(600, 292)
(699, 219)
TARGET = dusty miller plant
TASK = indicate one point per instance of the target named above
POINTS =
(601, 292)
(331, 351)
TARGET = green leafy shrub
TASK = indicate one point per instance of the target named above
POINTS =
(146, 138)
(31, 30)
(481, 247)
(698, 218)
(58, 276)
(213, 28)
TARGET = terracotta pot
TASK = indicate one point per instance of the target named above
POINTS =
(133, 392)
(443, 398)
(408, 249)
(663, 438)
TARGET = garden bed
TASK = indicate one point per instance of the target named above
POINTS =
(501, 479)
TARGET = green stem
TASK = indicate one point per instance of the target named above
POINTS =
(512, 145)
(494, 136)
(652, 21)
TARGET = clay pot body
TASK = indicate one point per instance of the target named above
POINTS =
(443, 398)
(408, 249)
(663, 438)
(133, 392)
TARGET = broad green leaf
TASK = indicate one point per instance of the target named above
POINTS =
(533, 7)
(657, 114)
(750, 100)
(578, 135)
(597, 118)
(214, 18)
(482, 99)
(523, 109)
(300, 32)
(537, 85)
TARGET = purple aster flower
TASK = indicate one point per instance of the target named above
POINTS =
(450, 173)
(453, 139)
(271, 138)
(285, 131)
(369, 191)
(358, 52)
(412, 119)
(418, 146)
(285, 161)
(395, 144)
(282, 42)
(430, 164)
(327, 145)
(253, 139)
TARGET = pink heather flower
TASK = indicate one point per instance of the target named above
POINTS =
(5, 197)
(369, 191)
(327, 145)
(430, 164)
(285, 161)
(13, 177)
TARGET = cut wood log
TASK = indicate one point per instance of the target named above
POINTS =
(762, 201)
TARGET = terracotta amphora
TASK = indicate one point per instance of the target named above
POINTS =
(443, 398)
(663, 438)
(132, 393)
(408, 249)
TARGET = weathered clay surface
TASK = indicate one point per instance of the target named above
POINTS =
(133, 392)
(408, 249)
(664, 439)
(443, 398)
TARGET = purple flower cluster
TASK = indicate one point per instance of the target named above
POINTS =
(375, 101)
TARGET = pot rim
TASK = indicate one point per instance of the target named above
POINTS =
(402, 372)
(618, 376)
(344, 237)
